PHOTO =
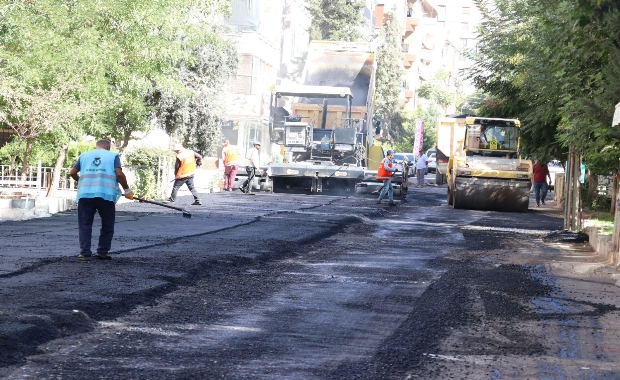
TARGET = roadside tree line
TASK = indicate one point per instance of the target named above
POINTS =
(111, 68)
(555, 65)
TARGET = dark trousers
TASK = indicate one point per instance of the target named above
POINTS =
(189, 181)
(86, 215)
(247, 185)
(538, 188)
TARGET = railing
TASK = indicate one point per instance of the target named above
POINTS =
(36, 179)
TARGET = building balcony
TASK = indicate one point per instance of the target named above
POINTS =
(412, 23)
(408, 60)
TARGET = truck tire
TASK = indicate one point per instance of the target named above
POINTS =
(450, 200)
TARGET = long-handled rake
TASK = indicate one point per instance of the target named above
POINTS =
(186, 214)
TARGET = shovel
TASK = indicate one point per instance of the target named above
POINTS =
(186, 214)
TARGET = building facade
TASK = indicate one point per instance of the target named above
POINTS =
(436, 37)
(272, 38)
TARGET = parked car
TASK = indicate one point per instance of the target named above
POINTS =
(554, 166)
(400, 157)
(432, 163)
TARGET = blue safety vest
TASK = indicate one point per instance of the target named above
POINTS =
(98, 176)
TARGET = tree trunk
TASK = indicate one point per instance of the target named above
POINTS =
(51, 191)
(26, 159)
(19, 144)
(592, 185)
(614, 193)
(126, 137)
(615, 199)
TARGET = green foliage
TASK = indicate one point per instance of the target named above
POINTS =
(554, 65)
(472, 103)
(387, 101)
(41, 151)
(145, 161)
(428, 115)
(146, 156)
(335, 20)
(145, 185)
(196, 117)
(595, 202)
(70, 68)
(75, 150)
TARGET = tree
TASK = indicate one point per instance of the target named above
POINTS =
(88, 66)
(196, 117)
(387, 101)
(551, 64)
(336, 20)
(429, 116)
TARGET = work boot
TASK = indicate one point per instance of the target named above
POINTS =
(103, 256)
(379, 201)
(543, 202)
(84, 257)
(169, 200)
(197, 202)
(391, 203)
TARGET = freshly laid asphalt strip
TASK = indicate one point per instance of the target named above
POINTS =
(293, 287)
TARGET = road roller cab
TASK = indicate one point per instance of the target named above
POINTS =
(488, 173)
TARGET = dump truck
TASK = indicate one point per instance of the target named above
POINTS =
(487, 172)
(323, 127)
(450, 135)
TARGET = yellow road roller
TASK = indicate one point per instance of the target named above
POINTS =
(487, 172)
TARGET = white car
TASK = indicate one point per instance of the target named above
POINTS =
(432, 163)
(400, 157)
(554, 166)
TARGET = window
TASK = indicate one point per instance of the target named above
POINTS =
(465, 10)
(464, 26)
(442, 9)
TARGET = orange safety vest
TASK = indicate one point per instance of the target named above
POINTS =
(188, 164)
(231, 155)
(383, 174)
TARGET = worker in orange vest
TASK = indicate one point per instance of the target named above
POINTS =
(384, 173)
(230, 155)
(184, 170)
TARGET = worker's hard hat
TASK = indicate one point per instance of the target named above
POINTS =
(389, 152)
(178, 147)
(256, 143)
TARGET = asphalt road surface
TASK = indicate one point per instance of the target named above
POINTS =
(271, 286)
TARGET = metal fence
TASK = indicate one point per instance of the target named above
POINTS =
(36, 178)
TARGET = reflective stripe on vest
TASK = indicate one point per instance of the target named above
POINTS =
(231, 155)
(98, 176)
(382, 173)
(188, 164)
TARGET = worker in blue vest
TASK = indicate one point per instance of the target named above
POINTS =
(100, 174)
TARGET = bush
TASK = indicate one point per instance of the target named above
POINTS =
(597, 202)
(145, 161)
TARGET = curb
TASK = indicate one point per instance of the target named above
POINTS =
(602, 245)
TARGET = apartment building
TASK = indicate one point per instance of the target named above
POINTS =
(436, 36)
(447, 29)
(271, 36)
